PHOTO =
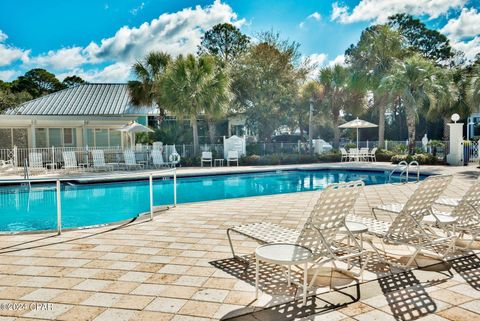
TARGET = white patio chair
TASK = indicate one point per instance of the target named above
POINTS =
(353, 154)
(407, 229)
(327, 217)
(372, 155)
(98, 157)
(130, 160)
(363, 153)
(344, 155)
(232, 156)
(35, 163)
(432, 186)
(6, 165)
(463, 219)
(70, 161)
(157, 158)
(206, 158)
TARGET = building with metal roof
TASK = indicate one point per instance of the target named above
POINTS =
(85, 115)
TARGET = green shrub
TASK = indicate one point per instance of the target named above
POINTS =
(421, 158)
(333, 156)
(383, 155)
(277, 159)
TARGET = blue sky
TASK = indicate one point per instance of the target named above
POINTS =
(99, 39)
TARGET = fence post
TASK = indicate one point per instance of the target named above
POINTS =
(59, 209)
(150, 180)
(183, 150)
(367, 143)
(175, 188)
(264, 148)
(386, 144)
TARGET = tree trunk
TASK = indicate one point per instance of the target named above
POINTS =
(378, 101)
(211, 130)
(381, 126)
(336, 133)
(446, 129)
(194, 124)
(411, 131)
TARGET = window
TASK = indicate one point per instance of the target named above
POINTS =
(5, 138)
(115, 138)
(101, 137)
(54, 137)
(41, 137)
(68, 137)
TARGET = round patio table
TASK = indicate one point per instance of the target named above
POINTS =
(354, 228)
(284, 254)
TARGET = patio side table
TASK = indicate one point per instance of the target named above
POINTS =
(284, 254)
(354, 228)
(218, 162)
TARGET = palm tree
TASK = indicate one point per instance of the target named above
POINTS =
(474, 87)
(192, 86)
(452, 89)
(344, 91)
(309, 92)
(375, 55)
(414, 81)
(148, 72)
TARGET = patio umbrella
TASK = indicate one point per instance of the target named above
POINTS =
(134, 127)
(358, 123)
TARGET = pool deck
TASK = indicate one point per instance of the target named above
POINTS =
(178, 266)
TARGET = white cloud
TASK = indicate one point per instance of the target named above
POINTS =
(175, 33)
(116, 72)
(3, 36)
(379, 10)
(134, 11)
(470, 48)
(65, 58)
(9, 54)
(315, 16)
(466, 25)
(8, 75)
(339, 60)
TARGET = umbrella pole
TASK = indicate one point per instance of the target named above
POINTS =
(357, 137)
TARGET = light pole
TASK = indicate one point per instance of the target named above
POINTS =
(310, 134)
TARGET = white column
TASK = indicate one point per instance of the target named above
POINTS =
(32, 135)
(455, 156)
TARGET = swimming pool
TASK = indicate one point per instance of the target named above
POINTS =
(24, 209)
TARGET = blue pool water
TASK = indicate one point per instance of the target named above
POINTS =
(22, 209)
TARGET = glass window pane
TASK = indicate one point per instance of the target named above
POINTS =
(115, 138)
(90, 140)
(20, 137)
(69, 137)
(41, 137)
(5, 138)
(101, 137)
(55, 137)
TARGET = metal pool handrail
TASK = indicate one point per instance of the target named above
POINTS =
(58, 189)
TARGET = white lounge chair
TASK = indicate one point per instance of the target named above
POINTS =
(157, 158)
(345, 156)
(35, 163)
(432, 186)
(206, 158)
(232, 156)
(98, 157)
(130, 160)
(407, 229)
(464, 218)
(70, 161)
(327, 217)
